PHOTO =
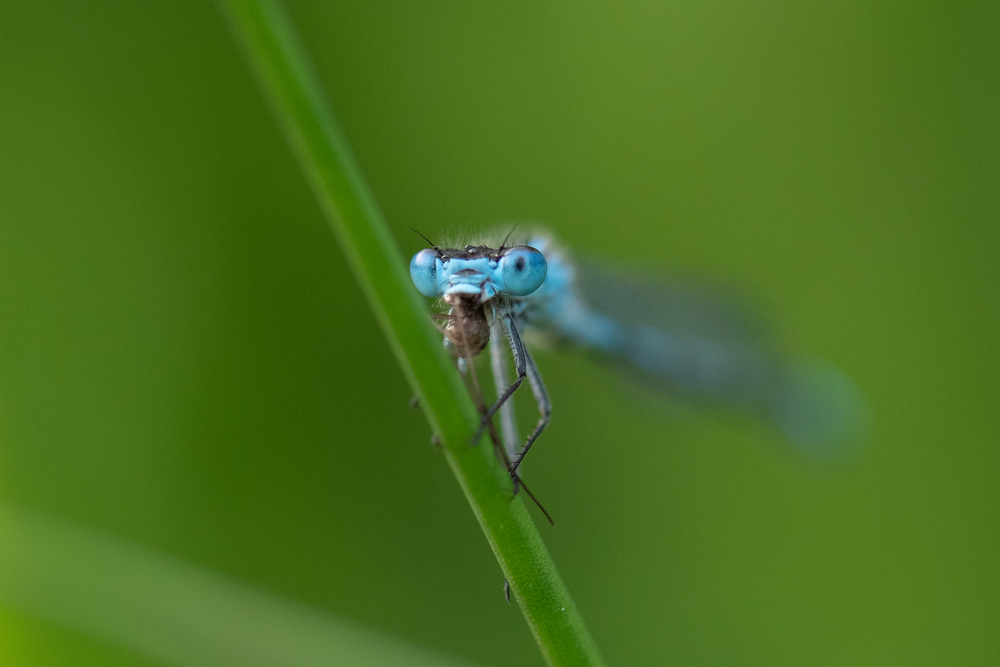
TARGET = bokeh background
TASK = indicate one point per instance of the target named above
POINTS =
(187, 364)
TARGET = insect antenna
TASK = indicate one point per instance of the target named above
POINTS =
(504, 243)
(431, 243)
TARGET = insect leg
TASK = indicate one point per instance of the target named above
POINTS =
(508, 425)
(518, 350)
(544, 405)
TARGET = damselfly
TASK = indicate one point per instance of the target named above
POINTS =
(689, 344)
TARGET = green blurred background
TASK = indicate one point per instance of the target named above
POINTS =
(186, 362)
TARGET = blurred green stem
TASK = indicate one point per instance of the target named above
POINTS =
(173, 611)
(292, 87)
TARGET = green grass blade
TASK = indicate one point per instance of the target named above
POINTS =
(292, 88)
(173, 611)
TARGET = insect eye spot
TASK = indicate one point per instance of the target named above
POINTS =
(523, 269)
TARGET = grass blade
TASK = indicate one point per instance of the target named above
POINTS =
(174, 611)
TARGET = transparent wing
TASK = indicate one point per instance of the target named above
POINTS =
(705, 343)
(674, 303)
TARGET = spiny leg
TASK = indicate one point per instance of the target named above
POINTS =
(544, 406)
(508, 424)
(518, 350)
(515, 478)
(467, 367)
(475, 391)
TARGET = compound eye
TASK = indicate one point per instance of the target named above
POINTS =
(423, 271)
(522, 269)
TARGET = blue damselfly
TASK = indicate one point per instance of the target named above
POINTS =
(692, 345)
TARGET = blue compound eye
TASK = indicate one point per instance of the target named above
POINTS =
(423, 271)
(522, 270)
